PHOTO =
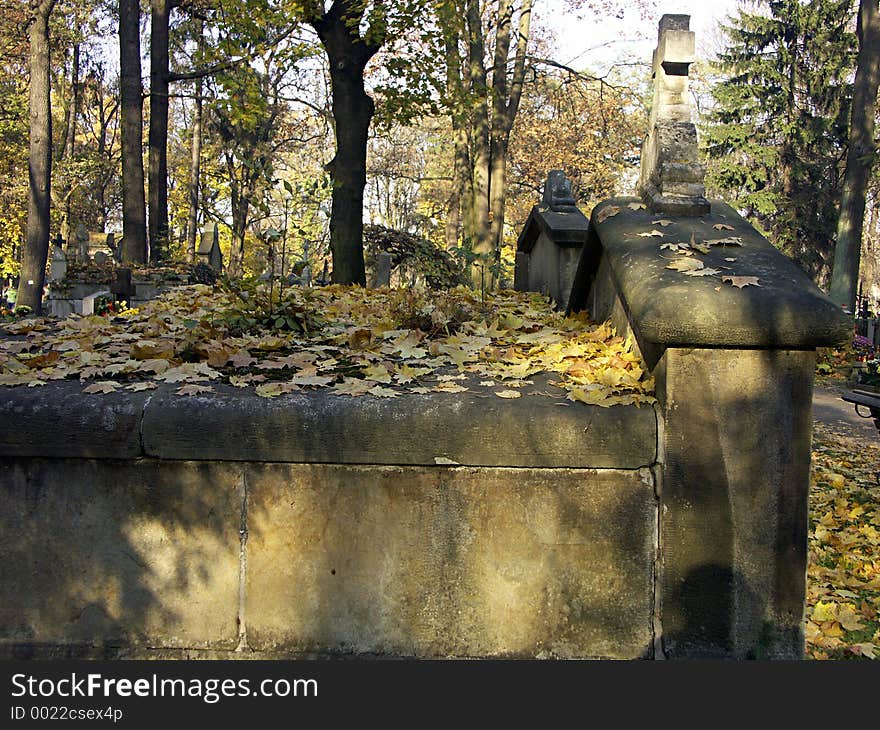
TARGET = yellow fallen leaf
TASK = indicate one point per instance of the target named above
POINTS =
(508, 393)
(102, 386)
(824, 612)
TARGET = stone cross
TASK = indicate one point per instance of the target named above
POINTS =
(671, 177)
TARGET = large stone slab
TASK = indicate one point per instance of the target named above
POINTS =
(132, 553)
(733, 533)
(59, 420)
(472, 428)
(450, 562)
(668, 308)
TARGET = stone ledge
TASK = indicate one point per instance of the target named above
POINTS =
(473, 428)
(668, 308)
(564, 227)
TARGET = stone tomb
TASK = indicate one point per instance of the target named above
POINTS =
(441, 524)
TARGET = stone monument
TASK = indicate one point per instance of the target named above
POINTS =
(671, 179)
(209, 248)
(58, 261)
(82, 244)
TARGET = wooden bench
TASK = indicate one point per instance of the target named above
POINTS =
(868, 399)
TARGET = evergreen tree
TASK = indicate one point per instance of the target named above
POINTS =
(777, 136)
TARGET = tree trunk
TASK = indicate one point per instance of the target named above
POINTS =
(69, 142)
(134, 216)
(352, 112)
(505, 107)
(36, 249)
(158, 137)
(348, 54)
(859, 160)
(479, 233)
(194, 169)
(457, 200)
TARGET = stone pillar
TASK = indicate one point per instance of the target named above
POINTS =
(671, 176)
(732, 353)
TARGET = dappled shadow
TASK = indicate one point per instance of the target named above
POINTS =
(106, 558)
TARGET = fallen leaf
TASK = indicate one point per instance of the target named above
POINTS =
(662, 222)
(102, 386)
(702, 272)
(194, 389)
(685, 264)
(508, 393)
(653, 233)
(636, 206)
(607, 212)
(722, 227)
(741, 281)
(138, 387)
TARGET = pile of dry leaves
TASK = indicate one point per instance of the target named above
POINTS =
(350, 340)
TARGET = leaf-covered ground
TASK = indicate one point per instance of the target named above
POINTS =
(843, 576)
(353, 341)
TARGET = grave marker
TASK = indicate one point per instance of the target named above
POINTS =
(671, 178)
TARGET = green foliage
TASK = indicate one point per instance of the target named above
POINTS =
(418, 256)
(777, 136)
(256, 308)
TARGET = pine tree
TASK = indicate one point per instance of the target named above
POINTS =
(777, 136)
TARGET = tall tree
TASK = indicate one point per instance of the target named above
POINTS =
(160, 16)
(348, 52)
(778, 132)
(134, 218)
(860, 158)
(192, 219)
(36, 249)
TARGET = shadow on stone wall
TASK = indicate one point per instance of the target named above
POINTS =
(100, 557)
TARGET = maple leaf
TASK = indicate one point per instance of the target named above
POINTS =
(449, 388)
(241, 359)
(35, 383)
(607, 212)
(102, 386)
(138, 387)
(741, 281)
(636, 206)
(508, 393)
(378, 373)
(351, 386)
(381, 392)
(653, 233)
(702, 272)
(662, 222)
(194, 389)
(729, 241)
(317, 380)
(685, 264)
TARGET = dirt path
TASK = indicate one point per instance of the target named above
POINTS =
(830, 410)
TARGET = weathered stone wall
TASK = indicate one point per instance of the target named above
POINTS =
(147, 524)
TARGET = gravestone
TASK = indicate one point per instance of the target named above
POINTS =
(383, 270)
(209, 252)
(549, 246)
(122, 287)
(58, 262)
(88, 303)
(671, 180)
(82, 244)
(101, 257)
